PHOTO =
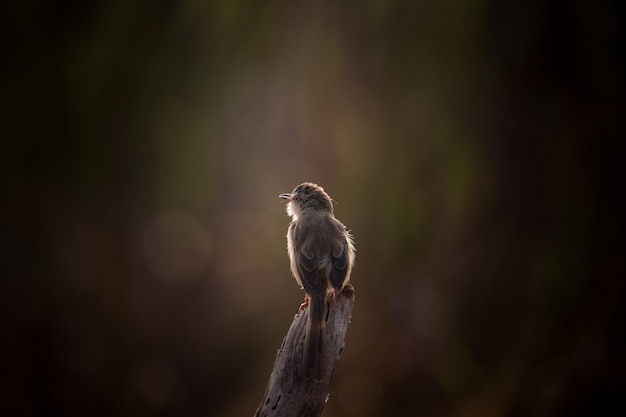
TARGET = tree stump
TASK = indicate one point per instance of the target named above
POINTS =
(289, 392)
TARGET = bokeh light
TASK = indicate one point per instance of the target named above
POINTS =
(475, 150)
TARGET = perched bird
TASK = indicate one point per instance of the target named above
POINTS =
(321, 252)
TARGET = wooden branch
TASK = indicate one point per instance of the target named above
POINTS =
(289, 393)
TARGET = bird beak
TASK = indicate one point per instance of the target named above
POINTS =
(286, 196)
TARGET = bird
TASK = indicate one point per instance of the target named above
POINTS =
(322, 254)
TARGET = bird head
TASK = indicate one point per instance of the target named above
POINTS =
(307, 197)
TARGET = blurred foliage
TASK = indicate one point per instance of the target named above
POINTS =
(475, 149)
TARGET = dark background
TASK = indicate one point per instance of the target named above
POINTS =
(475, 149)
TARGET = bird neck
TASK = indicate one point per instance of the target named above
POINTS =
(314, 211)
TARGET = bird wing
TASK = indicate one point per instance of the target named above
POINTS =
(339, 269)
(309, 271)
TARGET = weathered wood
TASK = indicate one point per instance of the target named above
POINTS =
(289, 393)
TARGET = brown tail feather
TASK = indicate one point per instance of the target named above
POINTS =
(314, 335)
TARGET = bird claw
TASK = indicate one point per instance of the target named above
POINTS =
(304, 305)
(331, 295)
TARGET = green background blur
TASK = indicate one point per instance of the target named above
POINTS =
(475, 149)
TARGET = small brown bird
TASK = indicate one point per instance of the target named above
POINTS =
(322, 253)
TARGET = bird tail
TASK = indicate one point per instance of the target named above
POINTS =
(314, 339)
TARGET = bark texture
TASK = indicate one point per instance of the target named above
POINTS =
(289, 392)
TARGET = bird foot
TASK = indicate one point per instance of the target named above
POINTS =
(304, 305)
(331, 295)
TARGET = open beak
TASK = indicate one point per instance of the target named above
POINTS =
(286, 196)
